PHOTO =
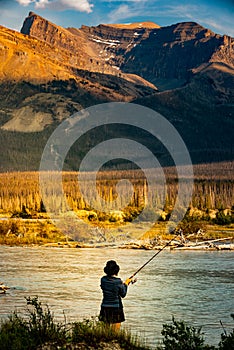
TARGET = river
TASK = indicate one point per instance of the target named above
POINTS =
(197, 286)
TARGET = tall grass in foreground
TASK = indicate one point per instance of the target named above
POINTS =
(38, 330)
(38, 327)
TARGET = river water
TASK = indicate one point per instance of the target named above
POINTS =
(197, 286)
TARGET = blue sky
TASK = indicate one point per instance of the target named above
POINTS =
(218, 15)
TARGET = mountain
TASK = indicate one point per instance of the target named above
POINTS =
(184, 71)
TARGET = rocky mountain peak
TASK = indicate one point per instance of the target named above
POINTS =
(37, 26)
(165, 56)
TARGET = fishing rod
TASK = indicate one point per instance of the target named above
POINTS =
(158, 252)
(223, 327)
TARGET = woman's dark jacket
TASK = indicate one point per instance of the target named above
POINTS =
(113, 290)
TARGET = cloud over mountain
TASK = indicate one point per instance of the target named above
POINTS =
(81, 5)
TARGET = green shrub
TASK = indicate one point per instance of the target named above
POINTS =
(179, 336)
(227, 340)
(222, 219)
(14, 334)
(38, 328)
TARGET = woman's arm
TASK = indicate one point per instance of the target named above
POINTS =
(123, 288)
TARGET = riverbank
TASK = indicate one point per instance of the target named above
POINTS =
(30, 232)
(39, 331)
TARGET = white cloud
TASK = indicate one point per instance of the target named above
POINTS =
(81, 5)
(225, 27)
(123, 12)
(41, 4)
(25, 2)
(217, 22)
(78, 5)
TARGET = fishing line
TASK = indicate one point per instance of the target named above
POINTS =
(158, 252)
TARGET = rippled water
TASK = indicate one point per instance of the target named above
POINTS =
(197, 287)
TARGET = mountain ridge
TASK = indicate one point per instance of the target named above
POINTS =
(112, 48)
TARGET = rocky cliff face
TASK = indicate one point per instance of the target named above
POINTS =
(174, 52)
(61, 38)
(164, 56)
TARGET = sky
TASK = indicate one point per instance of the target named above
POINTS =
(217, 15)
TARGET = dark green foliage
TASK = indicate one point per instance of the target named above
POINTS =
(227, 340)
(18, 333)
(41, 324)
(14, 334)
(190, 226)
(222, 219)
(179, 336)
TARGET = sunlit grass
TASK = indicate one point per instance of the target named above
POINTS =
(20, 198)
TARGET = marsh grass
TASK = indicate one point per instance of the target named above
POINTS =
(94, 332)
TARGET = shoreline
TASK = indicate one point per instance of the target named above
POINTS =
(132, 246)
(42, 232)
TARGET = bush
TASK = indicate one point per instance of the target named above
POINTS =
(14, 334)
(190, 227)
(179, 336)
(18, 333)
(222, 219)
(227, 340)
(24, 213)
(131, 213)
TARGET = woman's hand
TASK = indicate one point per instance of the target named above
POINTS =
(128, 281)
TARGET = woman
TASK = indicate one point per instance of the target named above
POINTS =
(113, 290)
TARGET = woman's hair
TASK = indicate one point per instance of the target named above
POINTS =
(111, 268)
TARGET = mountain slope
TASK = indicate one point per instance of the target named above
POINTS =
(202, 112)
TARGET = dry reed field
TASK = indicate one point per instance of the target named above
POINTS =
(20, 197)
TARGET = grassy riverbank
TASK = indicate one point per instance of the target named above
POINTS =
(18, 231)
(38, 330)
